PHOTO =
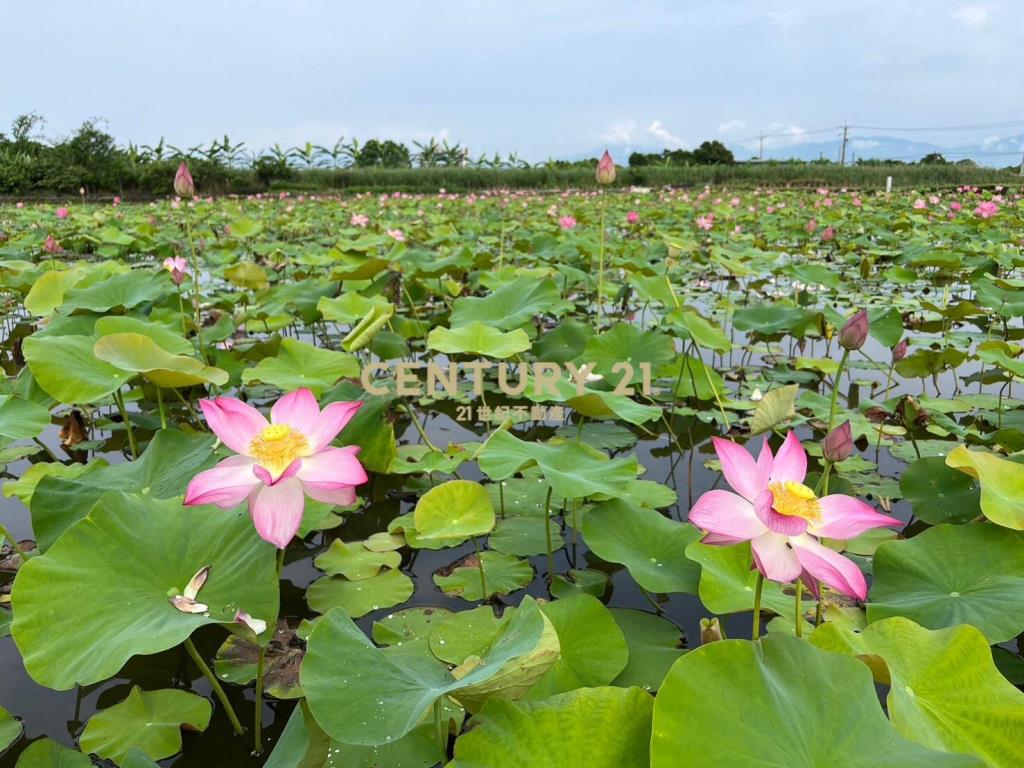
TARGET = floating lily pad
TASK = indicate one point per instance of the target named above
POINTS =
(524, 536)
(944, 689)
(354, 561)
(47, 753)
(358, 598)
(504, 574)
(456, 509)
(654, 645)
(940, 494)
(650, 545)
(10, 729)
(109, 579)
(136, 353)
(779, 701)
(585, 728)
(150, 721)
(409, 625)
(953, 574)
(300, 365)
(477, 338)
(1002, 484)
(66, 369)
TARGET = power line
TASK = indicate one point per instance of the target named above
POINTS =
(938, 129)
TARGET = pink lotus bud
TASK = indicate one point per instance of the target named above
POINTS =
(184, 187)
(900, 350)
(51, 245)
(838, 444)
(178, 268)
(62, 213)
(811, 226)
(632, 217)
(605, 169)
(855, 332)
(196, 583)
(828, 234)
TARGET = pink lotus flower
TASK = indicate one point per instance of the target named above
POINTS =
(184, 186)
(279, 462)
(632, 217)
(986, 210)
(50, 245)
(359, 220)
(828, 234)
(783, 519)
(605, 173)
(919, 204)
(811, 226)
(397, 234)
(178, 267)
(567, 222)
(706, 222)
(955, 206)
(62, 213)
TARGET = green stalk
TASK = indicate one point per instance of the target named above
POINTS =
(160, 405)
(119, 399)
(835, 390)
(439, 731)
(547, 534)
(756, 632)
(260, 664)
(600, 271)
(480, 561)
(799, 594)
(221, 696)
(22, 553)
(196, 298)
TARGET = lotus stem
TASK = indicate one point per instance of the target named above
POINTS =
(119, 399)
(160, 406)
(798, 626)
(439, 731)
(480, 564)
(835, 390)
(600, 271)
(257, 724)
(758, 589)
(22, 553)
(547, 534)
(196, 296)
(217, 689)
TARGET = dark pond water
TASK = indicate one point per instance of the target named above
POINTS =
(62, 715)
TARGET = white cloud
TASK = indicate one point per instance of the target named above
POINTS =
(620, 133)
(732, 126)
(658, 130)
(972, 16)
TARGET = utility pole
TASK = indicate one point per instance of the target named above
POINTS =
(1022, 165)
(760, 151)
(842, 150)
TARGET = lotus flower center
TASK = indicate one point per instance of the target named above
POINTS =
(795, 500)
(277, 446)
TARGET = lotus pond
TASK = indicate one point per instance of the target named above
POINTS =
(647, 478)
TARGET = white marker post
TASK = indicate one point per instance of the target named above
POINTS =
(888, 184)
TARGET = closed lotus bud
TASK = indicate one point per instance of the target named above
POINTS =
(866, 265)
(900, 350)
(855, 332)
(710, 631)
(605, 169)
(184, 187)
(838, 444)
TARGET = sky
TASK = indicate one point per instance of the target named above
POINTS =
(538, 78)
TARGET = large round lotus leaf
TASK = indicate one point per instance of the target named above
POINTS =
(302, 365)
(107, 582)
(126, 290)
(467, 633)
(358, 598)
(354, 561)
(592, 647)
(504, 574)
(572, 470)
(150, 721)
(940, 494)
(479, 339)
(1002, 484)
(953, 574)
(627, 344)
(47, 753)
(361, 694)
(140, 354)
(524, 536)
(778, 702)
(511, 305)
(47, 292)
(166, 338)
(944, 689)
(654, 645)
(409, 625)
(728, 582)
(650, 545)
(585, 728)
(65, 367)
(10, 729)
(22, 419)
(455, 509)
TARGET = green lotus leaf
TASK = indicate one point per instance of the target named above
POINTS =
(354, 561)
(775, 407)
(572, 470)
(511, 305)
(466, 633)
(779, 701)
(140, 354)
(524, 536)
(302, 365)
(456, 509)
(654, 644)
(585, 728)
(944, 689)
(478, 338)
(109, 578)
(361, 694)
(349, 307)
(953, 574)
(359, 598)
(1002, 484)
(125, 291)
(410, 625)
(67, 370)
(47, 753)
(504, 574)
(47, 292)
(650, 545)
(627, 344)
(166, 338)
(150, 721)
(22, 419)
(245, 274)
(10, 729)
(940, 494)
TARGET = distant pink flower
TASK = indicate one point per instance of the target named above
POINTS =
(828, 234)
(811, 226)
(178, 268)
(856, 202)
(920, 204)
(933, 199)
(632, 217)
(706, 222)
(397, 234)
(770, 209)
(50, 245)
(567, 222)
(986, 209)
(62, 213)
(955, 206)
(359, 220)
(783, 519)
(279, 461)
(734, 202)
(117, 200)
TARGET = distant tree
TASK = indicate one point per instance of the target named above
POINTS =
(387, 154)
(713, 153)
(934, 158)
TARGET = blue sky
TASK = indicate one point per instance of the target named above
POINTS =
(540, 78)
